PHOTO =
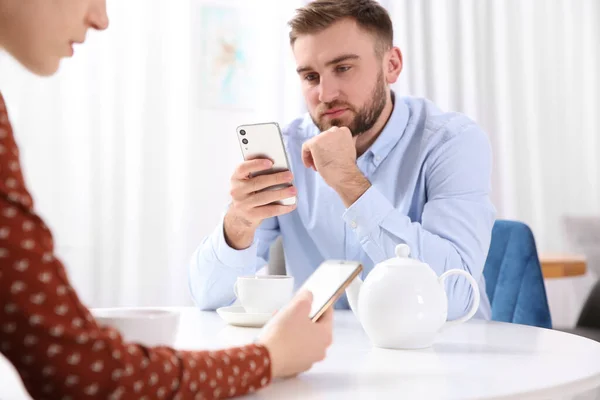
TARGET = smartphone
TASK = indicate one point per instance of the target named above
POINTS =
(264, 140)
(328, 283)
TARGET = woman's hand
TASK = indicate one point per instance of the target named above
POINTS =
(294, 342)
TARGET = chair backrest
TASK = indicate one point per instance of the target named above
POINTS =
(276, 264)
(514, 279)
(590, 312)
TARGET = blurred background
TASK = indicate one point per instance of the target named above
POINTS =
(128, 150)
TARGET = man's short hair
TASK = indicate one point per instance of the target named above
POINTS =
(318, 15)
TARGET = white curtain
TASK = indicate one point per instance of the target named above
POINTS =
(527, 72)
(126, 154)
(129, 158)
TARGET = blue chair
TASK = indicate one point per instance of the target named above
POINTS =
(514, 279)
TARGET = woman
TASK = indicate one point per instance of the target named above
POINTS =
(52, 340)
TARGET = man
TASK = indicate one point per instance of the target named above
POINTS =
(370, 170)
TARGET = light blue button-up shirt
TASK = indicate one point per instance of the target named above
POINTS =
(430, 173)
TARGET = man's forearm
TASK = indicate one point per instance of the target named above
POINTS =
(239, 235)
(214, 268)
(452, 235)
(352, 186)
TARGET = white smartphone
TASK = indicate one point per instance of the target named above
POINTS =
(264, 140)
(328, 283)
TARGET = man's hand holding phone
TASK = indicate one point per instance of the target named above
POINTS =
(251, 204)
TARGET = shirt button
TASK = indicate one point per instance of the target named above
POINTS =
(377, 158)
(353, 224)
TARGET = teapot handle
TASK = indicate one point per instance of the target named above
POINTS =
(476, 295)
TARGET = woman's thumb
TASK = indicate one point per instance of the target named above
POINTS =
(303, 301)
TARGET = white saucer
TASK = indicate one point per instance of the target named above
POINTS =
(237, 316)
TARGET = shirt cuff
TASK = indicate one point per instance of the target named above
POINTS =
(367, 213)
(229, 256)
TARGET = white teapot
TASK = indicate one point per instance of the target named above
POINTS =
(402, 304)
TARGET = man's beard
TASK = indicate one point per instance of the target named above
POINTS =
(364, 119)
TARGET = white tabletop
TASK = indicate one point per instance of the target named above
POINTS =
(474, 360)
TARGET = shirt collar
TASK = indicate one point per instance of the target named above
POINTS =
(391, 133)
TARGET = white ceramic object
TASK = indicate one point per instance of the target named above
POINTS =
(402, 303)
(147, 326)
(237, 316)
(264, 294)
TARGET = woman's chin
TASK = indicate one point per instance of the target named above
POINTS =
(42, 67)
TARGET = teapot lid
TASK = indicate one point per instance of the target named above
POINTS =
(402, 257)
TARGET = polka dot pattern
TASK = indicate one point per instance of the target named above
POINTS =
(59, 350)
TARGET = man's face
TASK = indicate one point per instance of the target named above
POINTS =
(342, 77)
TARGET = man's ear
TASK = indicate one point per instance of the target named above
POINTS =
(393, 65)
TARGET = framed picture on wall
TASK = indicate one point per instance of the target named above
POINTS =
(221, 65)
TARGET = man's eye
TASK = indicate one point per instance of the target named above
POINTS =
(311, 77)
(343, 68)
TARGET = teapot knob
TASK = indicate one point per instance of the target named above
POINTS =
(402, 250)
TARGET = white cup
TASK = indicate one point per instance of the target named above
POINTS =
(147, 326)
(264, 293)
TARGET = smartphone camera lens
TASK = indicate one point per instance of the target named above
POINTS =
(245, 141)
(242, 132)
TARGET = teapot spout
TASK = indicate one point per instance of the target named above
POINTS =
(352, 292)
